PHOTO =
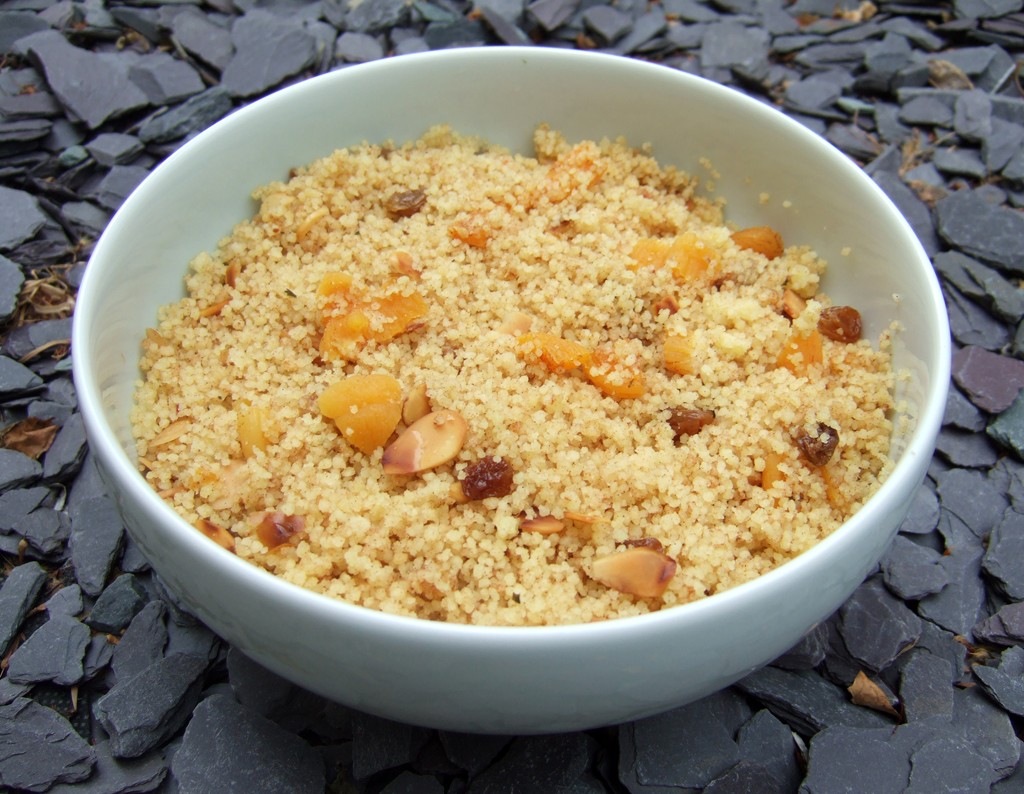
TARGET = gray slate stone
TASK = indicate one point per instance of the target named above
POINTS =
(16, 25)
(606, 24)
(228, 746)
(202, 37)
(968, 222)
(961, 413)
(117, 776)
(538, 763)
(375, 16)
(1005, 683)
(473, 752)
(93, 88)
(97, 536)
(47, 532)
(768, 742)
(353, 47)
(17, 596)
(192, 116)
(119, 602)
(1005, 627)
(85, 218)
(960, 162)
(379, 744)
(974, 498)
(66, 601)
(926, 111)
(988, 729)
(54, 652)
(164, 79)
(840, 755)
(730, 45)
(958, 605)
(876, 627)
(552, 14)
(16, 379)
(807, 702)
(912, 571)
(39, 748)
(1004, 556)
(972, 115)
(22, 217)
(1005, 141)
(117, 185)
(145, 711)
(17, 469)
(267, 50)
(991, 381)
(948, 764)
(982, 284)
(142, 642)
(916, 212)
(926, 690)
(11, 282)
(1007, 429)
(114, 148)
(64, 457)
(923, 516)
(24, 340)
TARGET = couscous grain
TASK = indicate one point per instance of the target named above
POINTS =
(447, 381)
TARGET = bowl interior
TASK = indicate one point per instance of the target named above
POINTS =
(769, 169)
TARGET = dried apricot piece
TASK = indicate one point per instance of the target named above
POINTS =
(801, 352)
(772, 472)
(689, 257)
(678, 355)
(762, 239)
(365, 408)
(614, 377)
(251, 435)
(380, 320)
(471, 231)
(649, 252)
(556, 353)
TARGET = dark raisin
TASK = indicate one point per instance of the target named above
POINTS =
(818, 449)
(278, 528)
(404, 204)
(840, 323)
(689, 421)
(487, 477)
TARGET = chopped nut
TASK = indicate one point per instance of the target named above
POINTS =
(582, 518)
(216, 533)
(638, 571)
(792, 304)
(689, 421)
(275, 529)
(416, 405)
(427, 443)
(215, 308)
(840, 323)
(487, 477)
(403, 263)
(542, 525)
(311, 220)
(404, 204)
(172, 432)
(251, 435)
(516, 324)
(231, 273)
(666, 303)
(818, 448)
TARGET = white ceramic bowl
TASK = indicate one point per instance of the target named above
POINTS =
(509, 680)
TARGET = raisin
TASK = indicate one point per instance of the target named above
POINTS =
(406, 203)
(487, 477)
(818, 449)
(278, 528)
(689, 421)
(840, 323)
(644, 543)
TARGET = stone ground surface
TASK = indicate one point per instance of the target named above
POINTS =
(915, 684)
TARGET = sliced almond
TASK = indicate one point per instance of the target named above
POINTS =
(215, 308)
(542, 525)
(792, 304)
(427, 443)
(172, 432)
(582, 518)
(231, 273)
(310, 221)
(638, 571)
(416, 405)
(216, 533)
(516, 324)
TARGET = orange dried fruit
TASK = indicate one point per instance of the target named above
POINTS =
(689, 257)
(678, 355)
(250, 424)
(649, 252)
(380, 320)
(556, 353)
(614, 377)
(762, 239)
(801, 352)
(471, 231)
(365, 408)
(772, 473)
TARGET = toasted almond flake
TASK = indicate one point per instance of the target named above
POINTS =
(516, 324)
(416, 405)
(582, 518)
(216, 533)
(792, 304)
(172, 432)
(231, 273)
(311, 220)
(153, 337)
(639, 571)
(428, 442)
(167, 493)
(215, 308)
(542, 525)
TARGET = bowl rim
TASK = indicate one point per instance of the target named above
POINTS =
(118, 466)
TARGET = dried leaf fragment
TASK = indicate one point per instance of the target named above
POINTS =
(865, 692)
(31, 436)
